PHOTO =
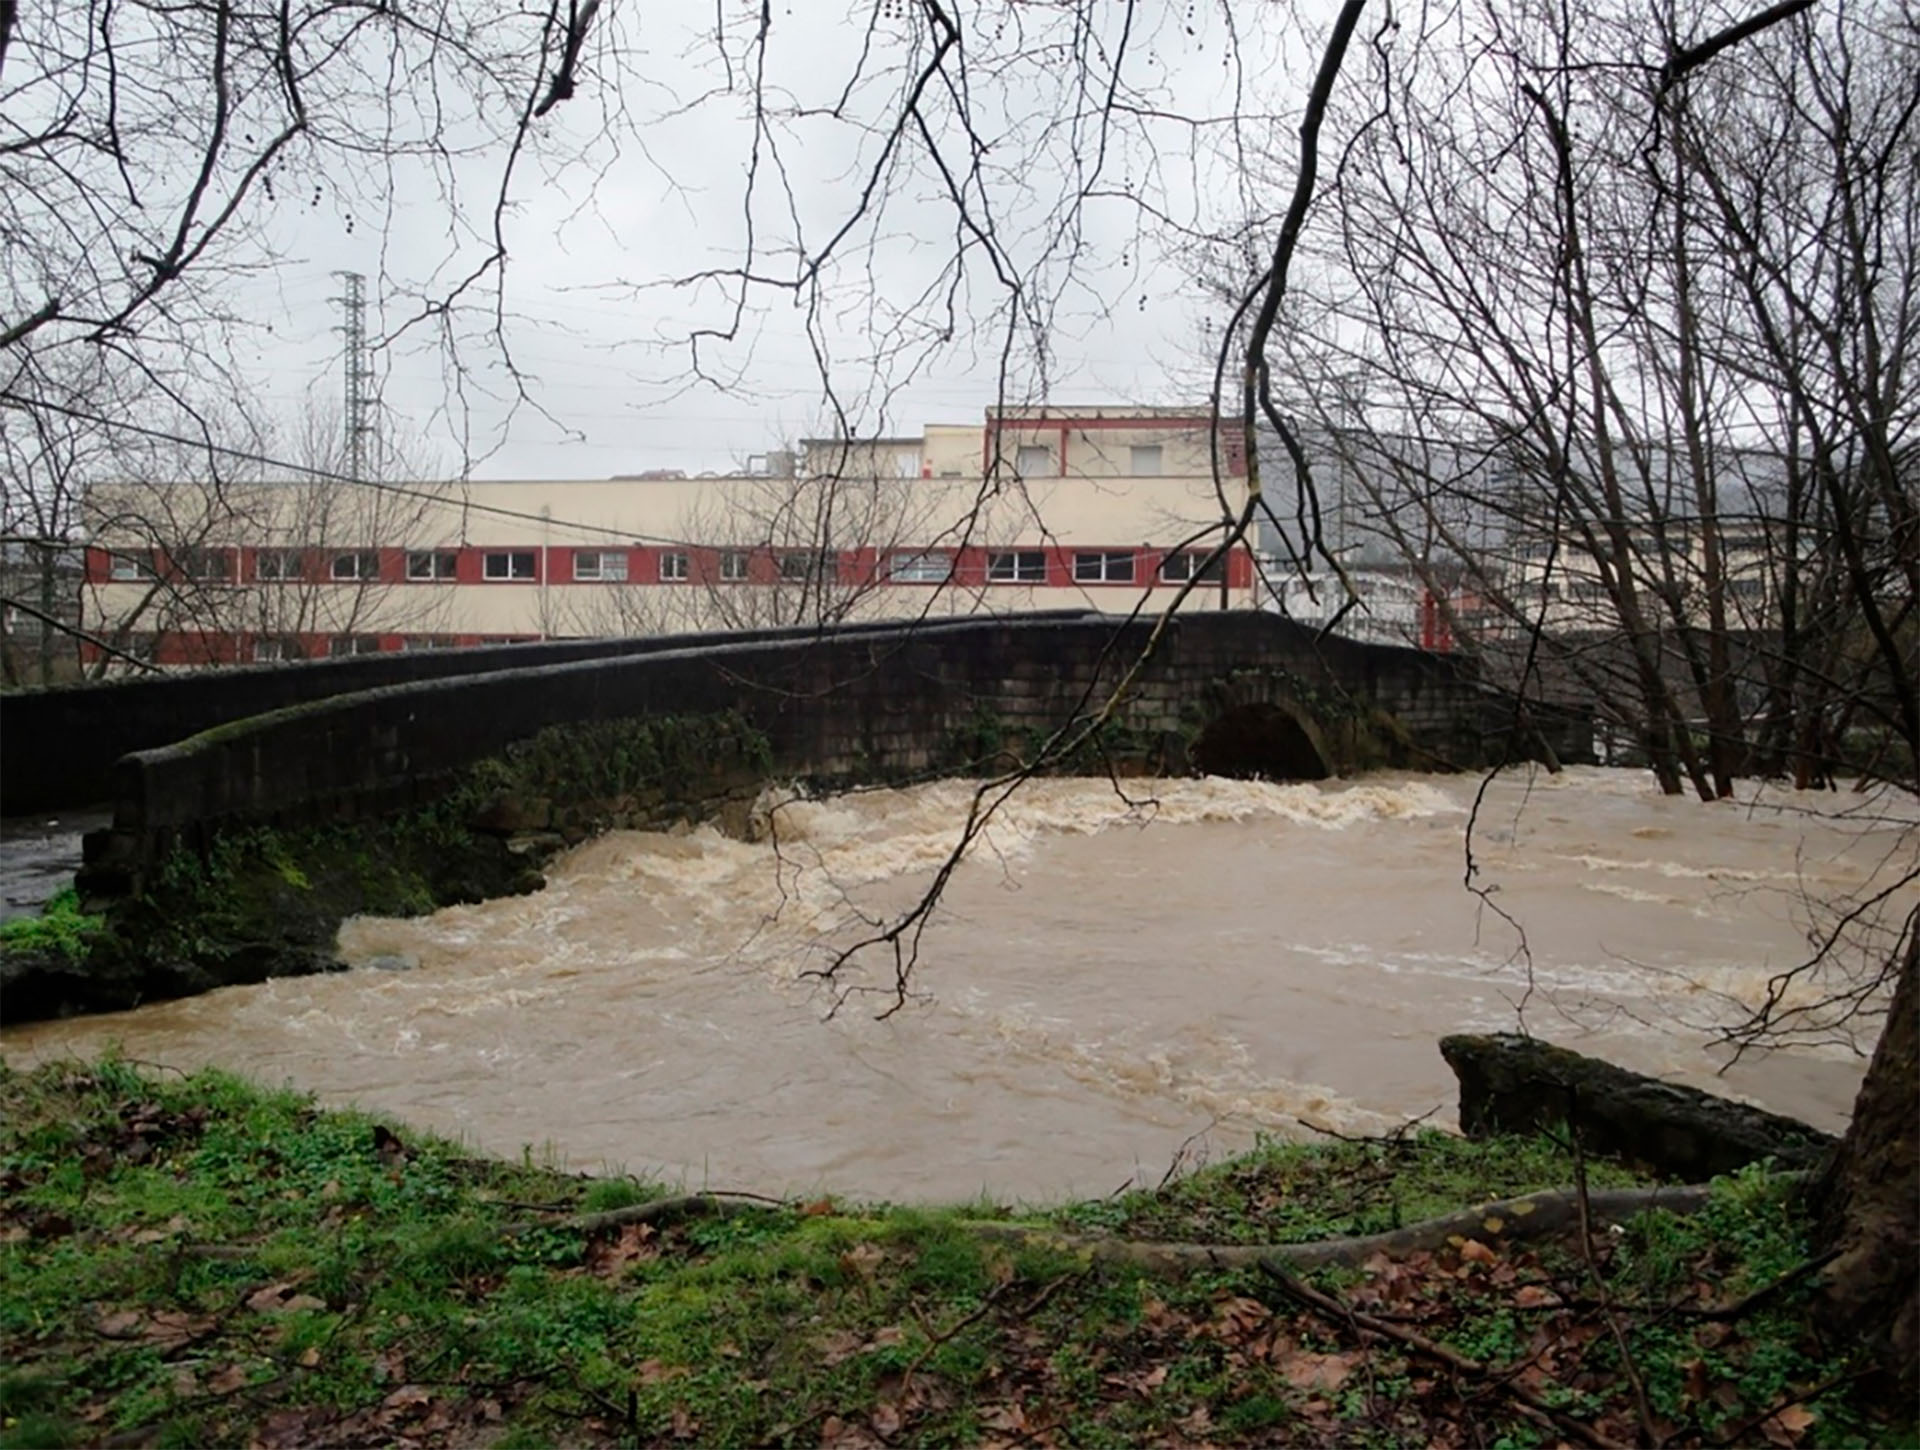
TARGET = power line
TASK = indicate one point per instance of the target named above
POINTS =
(398, 490)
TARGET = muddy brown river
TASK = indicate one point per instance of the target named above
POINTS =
(1107, 979)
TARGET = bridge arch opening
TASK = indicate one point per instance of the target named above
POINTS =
(1259, 740)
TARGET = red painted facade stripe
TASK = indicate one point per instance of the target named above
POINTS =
(554, 564)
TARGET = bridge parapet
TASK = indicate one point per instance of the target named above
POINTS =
(60, 743)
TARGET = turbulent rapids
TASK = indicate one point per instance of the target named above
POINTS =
(1109, 977)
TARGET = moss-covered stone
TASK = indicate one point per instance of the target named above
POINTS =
(1513, 1084)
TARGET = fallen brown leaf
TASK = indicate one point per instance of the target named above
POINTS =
(1307, 1370)
(226, 1379)
(1009, 1416)
(175, 1225)
(171, 1328)
(1240, 1318)
(836, 1345)
(1787, 1425)
(273, 1298)
(290, 1429)
(119, 1323)
(407, 1397)
(838, 1434)
(609, 1257)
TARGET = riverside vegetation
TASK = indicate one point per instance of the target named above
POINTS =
(193, 1260)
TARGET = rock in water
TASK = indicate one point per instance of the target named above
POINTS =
(1513, 1084)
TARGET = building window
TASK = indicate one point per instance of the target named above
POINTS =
(427, 565)
(128, 567)
(347, 568)
(509, 565)
(675, 568)
(1146, 460)
(272, 566)
(928, 568)
(340, 646)
(205, 564)
(1027, 566)
(1192, 564)
(274, 649)
(605, 566)
(413, 643)
(799, 565)
(1105, 568)
(733, 566)
(1033, 460)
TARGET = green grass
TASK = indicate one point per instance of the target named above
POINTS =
(61, 929)
(198, 1261)
(1300, 1192)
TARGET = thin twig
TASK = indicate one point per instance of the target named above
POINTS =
(1747, 1303)
(934, 1341)
(1738, 1433)
(1337, 1312)
(1628, 1365)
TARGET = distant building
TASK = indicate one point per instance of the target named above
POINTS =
(1432, 532)
(1032, 508)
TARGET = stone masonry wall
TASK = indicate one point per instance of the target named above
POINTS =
(58, 746)
(872, 704)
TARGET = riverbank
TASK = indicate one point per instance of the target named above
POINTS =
(196, 1261)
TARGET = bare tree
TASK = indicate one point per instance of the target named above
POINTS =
(43, 460)
(797, 541)
(280, 559)
(1612, 329)
(1572, 336)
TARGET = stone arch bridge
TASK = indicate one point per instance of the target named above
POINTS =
(182, 759)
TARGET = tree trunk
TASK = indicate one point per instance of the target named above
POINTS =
(1867, 1201)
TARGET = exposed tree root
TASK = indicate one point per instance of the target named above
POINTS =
(659, 1210)
(1529, 1217)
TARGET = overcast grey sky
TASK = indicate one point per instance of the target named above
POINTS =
(640, 180)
